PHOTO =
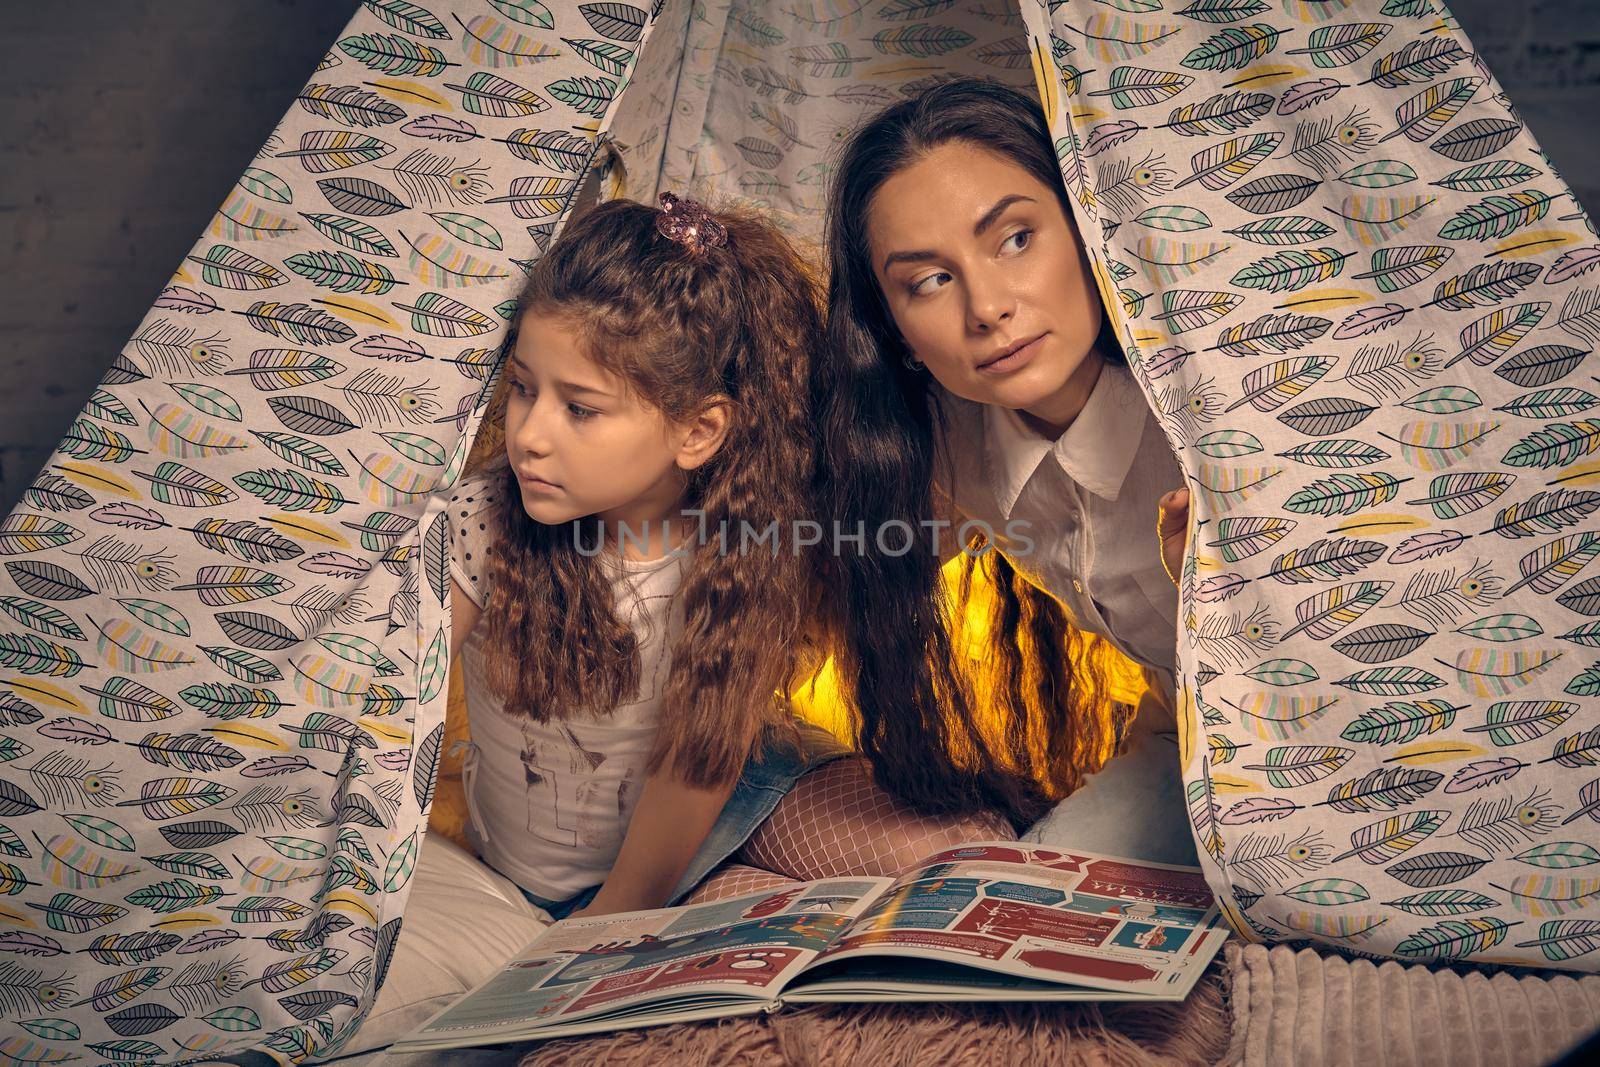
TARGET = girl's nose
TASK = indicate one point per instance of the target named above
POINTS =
(531, 435)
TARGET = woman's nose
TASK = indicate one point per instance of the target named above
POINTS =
(989, 302)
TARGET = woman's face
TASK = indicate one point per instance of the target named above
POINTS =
(987, 280)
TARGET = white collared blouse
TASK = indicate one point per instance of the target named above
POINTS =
(1087, 503)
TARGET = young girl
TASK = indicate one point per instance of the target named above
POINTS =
(629, 598)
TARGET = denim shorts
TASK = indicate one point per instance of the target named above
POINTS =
(766, 779)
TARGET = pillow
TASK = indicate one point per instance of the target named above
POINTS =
(463, 921)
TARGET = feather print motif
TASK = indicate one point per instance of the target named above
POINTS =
(1270, 860)
(1274, 385)
(1499, 824)
(1383, 333)
(1219, 167)
(1325, 144)
(1439, 598)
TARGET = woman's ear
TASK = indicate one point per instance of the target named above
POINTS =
(703, 435)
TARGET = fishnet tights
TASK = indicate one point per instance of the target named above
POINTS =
(732, 879)
(836, 821)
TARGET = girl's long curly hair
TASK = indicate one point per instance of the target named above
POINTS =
(683, 329)
(1044, 721)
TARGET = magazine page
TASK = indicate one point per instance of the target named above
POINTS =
(1034, 913)
(639, 968)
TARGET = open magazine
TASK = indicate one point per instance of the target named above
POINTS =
(987, 921)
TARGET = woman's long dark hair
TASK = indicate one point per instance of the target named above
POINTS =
(935, 740)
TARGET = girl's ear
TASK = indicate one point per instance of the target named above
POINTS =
(703, 435)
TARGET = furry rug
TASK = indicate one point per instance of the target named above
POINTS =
(973, 1035)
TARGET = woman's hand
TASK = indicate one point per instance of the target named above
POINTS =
(1172, 525)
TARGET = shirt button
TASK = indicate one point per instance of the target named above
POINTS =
(1077, 586)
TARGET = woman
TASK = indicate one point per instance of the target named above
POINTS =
(973, 378)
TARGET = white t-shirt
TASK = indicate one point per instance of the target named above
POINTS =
(550, 802)
(1089, 499)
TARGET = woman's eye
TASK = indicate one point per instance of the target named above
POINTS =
(1018, 240)
(581, 413)
(518, 388)
(921, 287)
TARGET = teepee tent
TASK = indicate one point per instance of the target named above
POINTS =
(226, 630)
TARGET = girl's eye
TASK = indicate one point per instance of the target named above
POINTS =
(1022, 238)
(581, 413)
(922, 288)
(518, 388)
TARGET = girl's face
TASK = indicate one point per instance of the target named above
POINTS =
(583, 444)
(987, 281)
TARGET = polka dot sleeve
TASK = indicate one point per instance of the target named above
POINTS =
(471, 516)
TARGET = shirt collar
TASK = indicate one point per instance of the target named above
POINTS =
(1096, 451)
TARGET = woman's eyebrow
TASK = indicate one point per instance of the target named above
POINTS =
(987, 220)
(919, 256)
(995, 212)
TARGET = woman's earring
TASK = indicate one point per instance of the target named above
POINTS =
(911, 361)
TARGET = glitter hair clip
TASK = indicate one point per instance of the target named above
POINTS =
(690, 223)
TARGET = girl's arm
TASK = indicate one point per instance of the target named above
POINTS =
(669, 825)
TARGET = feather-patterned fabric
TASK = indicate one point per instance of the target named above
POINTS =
(223, 666)
(1386, 613)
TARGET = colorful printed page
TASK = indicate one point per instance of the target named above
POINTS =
(728, 957)
(988, 921)
(1046, 924)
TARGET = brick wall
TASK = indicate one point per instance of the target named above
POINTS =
(123, 125)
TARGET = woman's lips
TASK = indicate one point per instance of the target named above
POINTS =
(1018, 358)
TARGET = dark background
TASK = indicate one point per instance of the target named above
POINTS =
(123, 124)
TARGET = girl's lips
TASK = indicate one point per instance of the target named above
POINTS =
(1016, 360)
(537, 485)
